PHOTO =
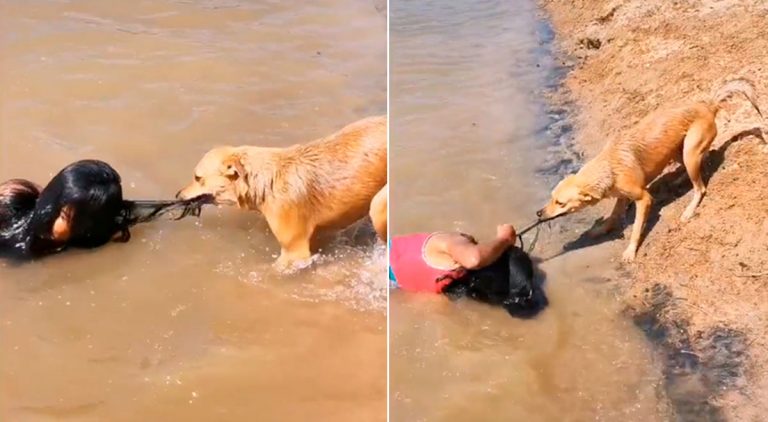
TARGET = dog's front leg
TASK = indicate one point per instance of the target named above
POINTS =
(610, 221)
(294, 236)
(294, 254)
(643, 202)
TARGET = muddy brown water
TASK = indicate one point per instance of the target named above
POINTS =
(188, 321)
(469, 134)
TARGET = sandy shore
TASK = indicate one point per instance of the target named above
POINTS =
(700, 289)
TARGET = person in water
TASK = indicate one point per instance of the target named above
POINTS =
(455, 264)
(427, 262)
(82, 206)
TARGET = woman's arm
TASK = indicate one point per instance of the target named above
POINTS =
(471, 255)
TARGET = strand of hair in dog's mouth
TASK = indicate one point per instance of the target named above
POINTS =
(535, 225)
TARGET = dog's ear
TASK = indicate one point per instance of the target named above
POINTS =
(589, 194)
(232, 167)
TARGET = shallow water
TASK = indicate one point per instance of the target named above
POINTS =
(469, 136)
(188, 321)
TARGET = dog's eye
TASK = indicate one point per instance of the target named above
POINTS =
(197, 178)
(559, 204)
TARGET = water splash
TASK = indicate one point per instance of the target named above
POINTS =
(350, 271)
(352, 276)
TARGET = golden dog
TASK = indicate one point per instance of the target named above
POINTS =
(303, 189)
(378, 213)
(626, 166)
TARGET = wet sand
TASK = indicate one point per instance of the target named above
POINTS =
(697, 289)
(473, 144)
(188, 321)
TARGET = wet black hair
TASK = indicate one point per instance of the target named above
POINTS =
(91, 192)
(508, 282)
(17, 201)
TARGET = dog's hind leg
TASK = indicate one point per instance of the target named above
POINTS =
(695, 147)
(609, 222)
(378, 213)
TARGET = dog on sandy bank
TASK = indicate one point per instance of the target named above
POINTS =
(326, 184)
(627, 165)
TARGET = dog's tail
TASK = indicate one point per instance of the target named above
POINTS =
(731, 88)
(136, 212)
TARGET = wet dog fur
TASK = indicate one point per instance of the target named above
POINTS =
(301, 190)
(378, 213)
(626, 166)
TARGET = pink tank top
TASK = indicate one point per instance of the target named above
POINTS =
(411, 271)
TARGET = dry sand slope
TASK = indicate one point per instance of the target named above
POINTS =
(699, 289)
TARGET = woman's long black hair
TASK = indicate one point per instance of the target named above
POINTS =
(91, 190)
(508, 282)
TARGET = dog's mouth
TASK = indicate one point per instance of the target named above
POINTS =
(219, 202)
(539, 221)
(545, 219)
(542, 218)
(210, 198)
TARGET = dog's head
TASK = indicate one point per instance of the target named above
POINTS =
(220, 173)
(570, 195)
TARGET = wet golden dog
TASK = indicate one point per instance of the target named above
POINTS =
(378, 213)
(303, 189)
(626, 166)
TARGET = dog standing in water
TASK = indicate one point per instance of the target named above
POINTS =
(626, 166)
(81, 207)
(326, 184)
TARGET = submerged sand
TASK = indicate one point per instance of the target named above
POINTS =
(700, 289)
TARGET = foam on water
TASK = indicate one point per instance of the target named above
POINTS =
(353, 277)
(350, 271)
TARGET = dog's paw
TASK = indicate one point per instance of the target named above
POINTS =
(281, 266)
(686, 216)
(629, 255)
(287, 265)
(284, 264)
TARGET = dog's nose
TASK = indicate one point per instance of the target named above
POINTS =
(539, 213)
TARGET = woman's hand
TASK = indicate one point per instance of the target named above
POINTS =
(506, 232)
